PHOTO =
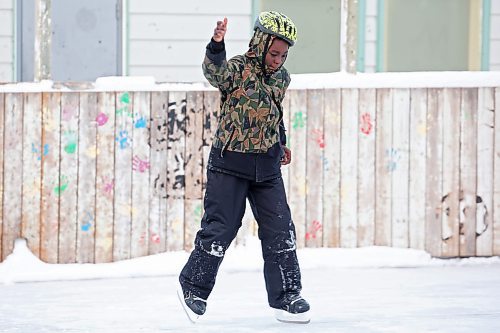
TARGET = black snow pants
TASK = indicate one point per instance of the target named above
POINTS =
(224, 203)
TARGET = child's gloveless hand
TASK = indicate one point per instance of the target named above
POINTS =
(220, 30)
(287, 157)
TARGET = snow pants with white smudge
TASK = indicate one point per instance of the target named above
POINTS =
(224, 203)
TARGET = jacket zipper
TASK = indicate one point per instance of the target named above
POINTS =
(227, 143)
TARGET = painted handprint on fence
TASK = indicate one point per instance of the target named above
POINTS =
(108, 186)
(71, 139)
(63, 185)
(125, 109)
(87, 221)
(123, 139)
(366, 124)
(40, 153)
(326, 163)
(153, 237)
(394, 156)
(299, 120)
(140, 121)
(313, 230)
(69, 112)
(319, 137)
(101, 119)
(139, 165)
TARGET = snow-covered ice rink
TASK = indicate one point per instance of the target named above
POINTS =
(356, 290)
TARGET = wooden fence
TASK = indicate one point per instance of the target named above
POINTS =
(106, 176)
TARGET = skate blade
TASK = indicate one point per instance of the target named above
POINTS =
(292, 318)
(193, 317)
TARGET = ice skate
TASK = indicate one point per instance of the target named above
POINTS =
(193, 305)
(295, 311)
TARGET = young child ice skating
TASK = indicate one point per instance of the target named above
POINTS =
(245, 161)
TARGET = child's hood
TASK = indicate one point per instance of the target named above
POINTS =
(258, 47)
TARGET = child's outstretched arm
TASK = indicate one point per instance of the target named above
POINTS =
(216, 69)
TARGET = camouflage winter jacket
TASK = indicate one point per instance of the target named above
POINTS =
(250, 119)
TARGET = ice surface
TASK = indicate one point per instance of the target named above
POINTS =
(364, 290)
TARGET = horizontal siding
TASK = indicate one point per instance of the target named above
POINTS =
(495, 36)
(5, 49)
(168, 42)
(166, 53)
(495, 26)
(170, 73)
(196, 7)
(5, 4)
(494, 54)
(147, 27)
(5, 72)
(6, 22)
(6, 38)
(495, 7)
(370, 36)
(174, 53)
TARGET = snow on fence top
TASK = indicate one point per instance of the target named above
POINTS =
(299, 81)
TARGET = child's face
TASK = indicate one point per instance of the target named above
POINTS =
(276, 55)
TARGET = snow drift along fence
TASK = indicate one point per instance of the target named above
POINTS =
(105, 176)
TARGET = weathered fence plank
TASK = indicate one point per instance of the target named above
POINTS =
(194, 167)
(85, 245)
(140, 235)
(176, 170)
(158, 173)
(450, 210)
(297, 135)
(12, 166)
(331, 168)
(485, 150)
(383, 130)
(434, 168)
(398, 167)
(123, 176)
(418, 135)
(315, 144)
(53, 184)
(69, 152)
(32, 162)
(496, 177)
(349, 169)
(105, 177)
(211, 104)
(2, 140)
(468, 171)
(366, 167)
(285, 170)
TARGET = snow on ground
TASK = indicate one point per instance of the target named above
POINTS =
(23, 266)
(375, 289)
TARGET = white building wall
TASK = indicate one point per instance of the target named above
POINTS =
(6, 41)
(371, 36)
(495, 36)
(167, 39)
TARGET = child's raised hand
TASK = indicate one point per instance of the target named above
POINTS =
(220, 30)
